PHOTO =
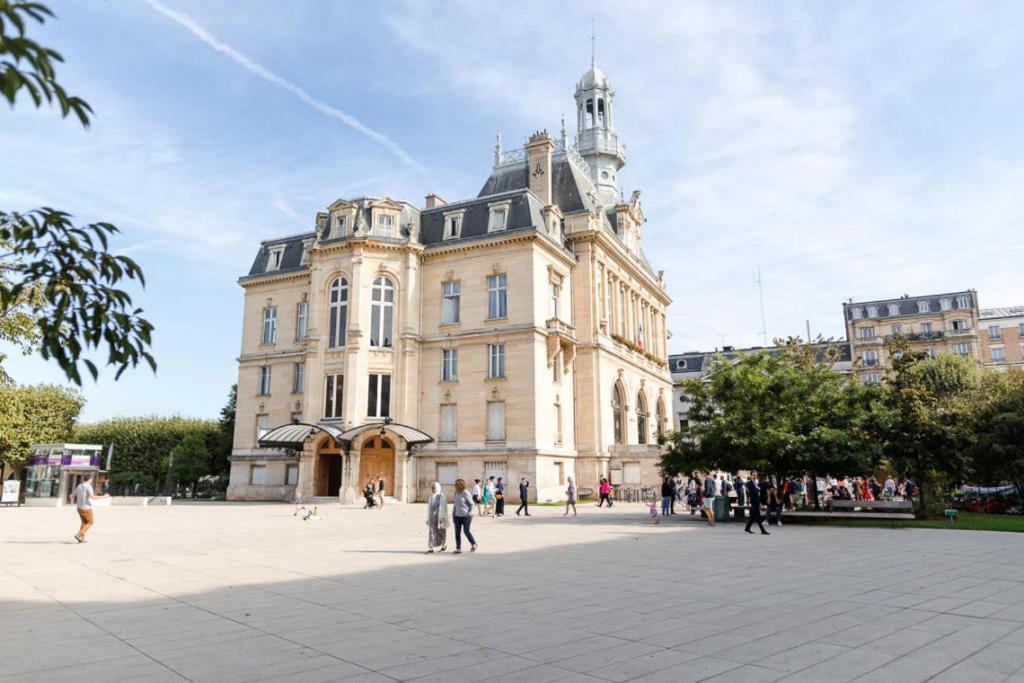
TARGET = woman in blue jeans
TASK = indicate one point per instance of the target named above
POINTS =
(463, 516)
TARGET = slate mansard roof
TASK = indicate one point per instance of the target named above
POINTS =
(524, 213)
(908, 305)
(1002, 312)
(291, 259)
(696, 363)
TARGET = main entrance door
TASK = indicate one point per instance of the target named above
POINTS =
(328, 469)
(377, 459)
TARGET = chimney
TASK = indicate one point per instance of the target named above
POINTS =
(433, 201)
(539, 150)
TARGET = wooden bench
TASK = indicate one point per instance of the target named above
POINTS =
(888, 510)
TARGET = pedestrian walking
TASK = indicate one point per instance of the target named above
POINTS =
(369, 494)
(741, 490)
(890, 489)
(666, 496)
(524, 497)
(380, 491)
(437, 520)
(754, 496)
(297, 500)
(654, 512)
(489, 497)
(462, 513)
(774, 506)
(673, 492)
(570, 498)
(605, 491)
(82, 497)
(478, 497)
(499, 498)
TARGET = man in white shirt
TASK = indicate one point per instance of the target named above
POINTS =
(82, 497)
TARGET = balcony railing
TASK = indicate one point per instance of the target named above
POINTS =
(916, 336)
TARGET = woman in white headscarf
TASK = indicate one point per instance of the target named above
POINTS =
(437, 520)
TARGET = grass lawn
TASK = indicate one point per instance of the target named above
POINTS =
(974, 521)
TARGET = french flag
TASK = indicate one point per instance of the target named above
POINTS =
(640, 337)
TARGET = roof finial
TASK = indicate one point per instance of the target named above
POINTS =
(497, 149)
(593, 42)
(565, 135)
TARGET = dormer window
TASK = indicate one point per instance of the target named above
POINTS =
(894, 309)
(453, 224)
(498, 219)
(340, 226)
(305, 251)
(872, 311)
(963, 301)
(275, 258)
(946, 304)
(923, 307)
(386, 225)
(857, 314)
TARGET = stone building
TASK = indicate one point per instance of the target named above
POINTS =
(934, 323)
(1001, 332)
(521, 332)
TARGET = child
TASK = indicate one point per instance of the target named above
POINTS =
(654, 512)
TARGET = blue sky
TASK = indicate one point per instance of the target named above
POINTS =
(859, 150)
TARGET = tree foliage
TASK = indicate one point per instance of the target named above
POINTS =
(996, 431)
(784, 412)
(191, 460)
(222, 456)
(927, 408)
(42, 413)
(142, 444)
(59, 285)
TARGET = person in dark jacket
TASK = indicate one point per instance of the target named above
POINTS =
(524, 497)
(741, 490)
(666, 496)
(673, 490)
(754, 496)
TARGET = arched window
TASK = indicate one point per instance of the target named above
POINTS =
(641, 418)
(382, 312)
(338, 307)
(660, 427)
(618, 418)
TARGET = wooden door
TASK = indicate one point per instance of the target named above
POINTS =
(377, 459)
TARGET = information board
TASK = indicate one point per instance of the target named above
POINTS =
(12, 489)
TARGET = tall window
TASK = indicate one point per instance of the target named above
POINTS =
(923, 306)
(452, 225)
(496, 221)
(963, 301)
(302, 321)
(872, 311)
(866, 332)
(857, 314)
(641, 418)
(959, 324)
(558, 423)
(497, 296)
(386, 225)
(554, 300)
(291, 477)
(495, 420)
(873, 378)
(269, 325)
(964, 349)
(449, 365)
(618, 419)
(341, 226)
(264, 387)
(450, 293)
(378, 402)
(257, 475)
(660, 416)
(495, 361)
(338, 307)
(894, 309)
(946, 304)
(871, 358)
(926, 328)
(449, 422)
(262, 425)
(298, 377)
(897, 328)
(995, 332)
(1020, 329)
(998, 355)
(335, 386)
(382, 312)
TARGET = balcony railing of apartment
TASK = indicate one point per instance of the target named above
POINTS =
(915, 336)
(961, 332)
(869, 362)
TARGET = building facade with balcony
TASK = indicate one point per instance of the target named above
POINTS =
(521, 332)
(932, 324)
(1001, 332)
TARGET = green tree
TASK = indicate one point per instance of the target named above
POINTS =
(142, 444)
(996, 431)
(191, 460)
(58, 281)
(783, 412)
(42, 413)
(222, 460)
(927, 408)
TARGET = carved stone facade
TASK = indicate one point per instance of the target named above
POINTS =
(518, 333)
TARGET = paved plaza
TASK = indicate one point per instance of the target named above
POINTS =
(236, 592)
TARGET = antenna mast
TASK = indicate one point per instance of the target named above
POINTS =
(760, 292)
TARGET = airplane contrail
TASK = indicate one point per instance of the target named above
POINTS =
(269, 76)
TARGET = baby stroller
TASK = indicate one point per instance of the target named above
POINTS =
(368, 495)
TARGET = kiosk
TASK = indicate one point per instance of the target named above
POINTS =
(54, 470)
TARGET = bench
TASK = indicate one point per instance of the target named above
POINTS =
(888, 510)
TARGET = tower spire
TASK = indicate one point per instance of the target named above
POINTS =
(593, 44)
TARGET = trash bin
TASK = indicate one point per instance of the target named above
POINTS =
(720, 505)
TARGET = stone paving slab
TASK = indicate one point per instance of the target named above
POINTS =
(249, 592)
